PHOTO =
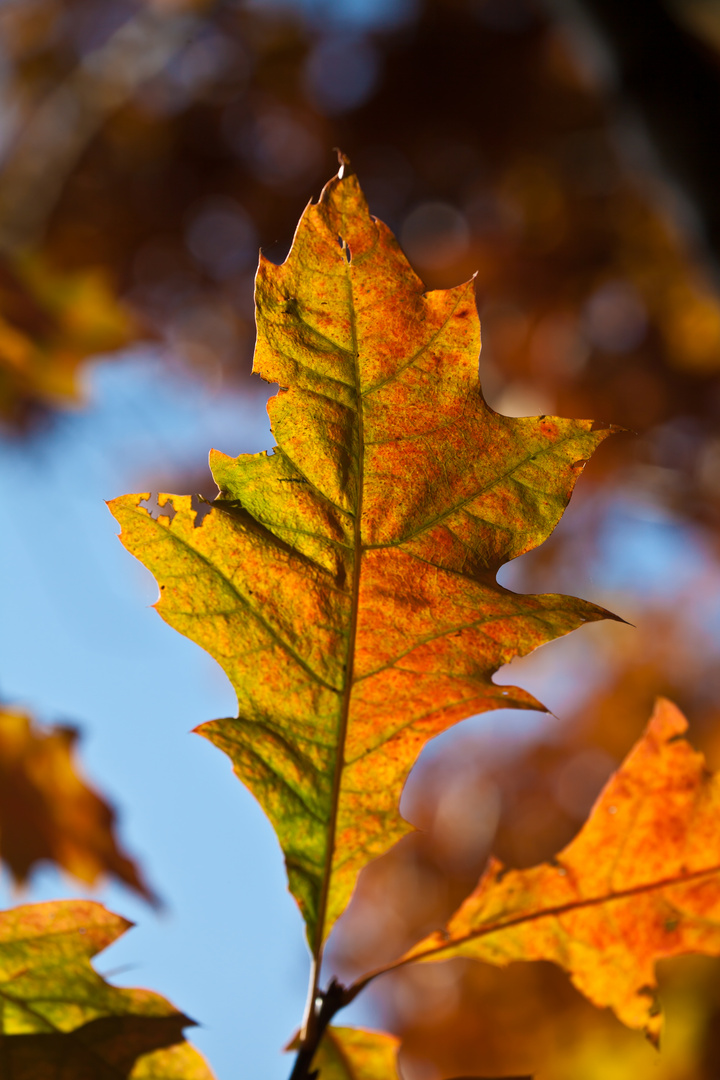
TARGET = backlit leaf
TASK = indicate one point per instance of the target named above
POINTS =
(353, 1054)
(346, 581)
(48, 812)
(639, 883)
(60, 1019)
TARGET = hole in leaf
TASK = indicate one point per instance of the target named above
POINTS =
(202, 508)
(155, 510)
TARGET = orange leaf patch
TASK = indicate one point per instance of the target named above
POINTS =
(639, 883)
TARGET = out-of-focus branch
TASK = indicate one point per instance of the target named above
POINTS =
(673, 77)
(47, 148)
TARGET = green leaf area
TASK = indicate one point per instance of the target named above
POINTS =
(60, 1020)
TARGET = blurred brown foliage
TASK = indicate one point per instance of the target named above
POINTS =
(155, 144)
(162, 142)
(49, 814)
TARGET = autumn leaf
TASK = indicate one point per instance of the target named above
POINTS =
(60, 1018)
(48, 812)
(639, 883)
(355, 1054)
(346, 581)
(50, 321)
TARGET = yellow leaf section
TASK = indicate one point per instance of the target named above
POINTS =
(182, 1062)
(639, 883)
(346, 581)
(59, 1017)
(50, 321)
(355, 1054)
(47, 811)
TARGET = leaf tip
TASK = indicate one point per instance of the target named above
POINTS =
(653, 1030)
(346, 168)
(608, 428)
(187, 1021)
(667, 722)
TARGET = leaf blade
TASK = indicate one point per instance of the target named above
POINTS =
(639, 883)
(346, 582)
(58, 1015)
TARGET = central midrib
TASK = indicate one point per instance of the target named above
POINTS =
(350, 654)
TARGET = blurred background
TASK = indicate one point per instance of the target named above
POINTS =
(565, 150)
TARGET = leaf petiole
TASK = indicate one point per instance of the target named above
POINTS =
(322, 1009)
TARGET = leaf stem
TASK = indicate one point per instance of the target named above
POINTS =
(320, 1012)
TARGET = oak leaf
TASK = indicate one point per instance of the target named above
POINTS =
(47, 811)
(346, 581)
(639, 883)
(59, 1018)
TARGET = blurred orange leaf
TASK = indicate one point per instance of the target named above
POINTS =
(640, 882)
(50, 321)
(48, 812)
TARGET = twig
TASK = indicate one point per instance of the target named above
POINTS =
(321, 1012)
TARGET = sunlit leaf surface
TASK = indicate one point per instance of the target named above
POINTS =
(640, 882)
(346, 581)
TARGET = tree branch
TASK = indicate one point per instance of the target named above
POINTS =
(321, 1012)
